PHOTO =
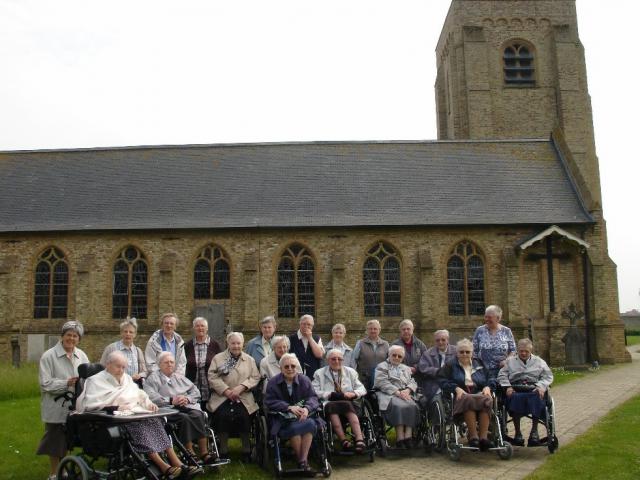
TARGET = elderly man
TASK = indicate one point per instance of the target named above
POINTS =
(167, 388)
(413, 346)
(307, 346)
(261, 345)
(166, 339)
(432, 360)
(525, 369)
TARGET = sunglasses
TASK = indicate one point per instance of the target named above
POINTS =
(465, 351)
(336, 359)
(289, 367)
(397, 355)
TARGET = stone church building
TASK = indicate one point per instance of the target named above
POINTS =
(504, 208)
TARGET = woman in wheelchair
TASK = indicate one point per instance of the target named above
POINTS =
(339, 386)
(472, 385)
(113, 387)
(290, 400)
(395, 387)
(167, 388)
(525, 370)
(232, 375)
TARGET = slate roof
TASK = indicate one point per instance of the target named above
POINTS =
(325, 184)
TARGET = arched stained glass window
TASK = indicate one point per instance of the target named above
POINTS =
(296, 283)
(51, 286)
(130, 284)
(212, 275)
(381, 282)
(465, 280)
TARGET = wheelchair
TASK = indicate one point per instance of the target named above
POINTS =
(278, 454)
(455, 430)
(366, 418)
(106, 445)
(432, 428)
(547, 418)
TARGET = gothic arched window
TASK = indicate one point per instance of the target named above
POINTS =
(296, 283)
(465, 279)
(518, 64)
(51, 286)
(381, 282)
(211, 275)
(130, 284)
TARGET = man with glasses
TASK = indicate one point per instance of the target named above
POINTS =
(433, 360)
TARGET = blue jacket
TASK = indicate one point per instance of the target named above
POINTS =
(254, 348)
(452, 375)
(277, 398)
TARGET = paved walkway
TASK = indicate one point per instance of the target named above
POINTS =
(579, 404)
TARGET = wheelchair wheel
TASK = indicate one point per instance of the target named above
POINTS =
(438, 425)
(454, 452)
(73, 467)
(260, 452)
(506, 452)
(552, 444)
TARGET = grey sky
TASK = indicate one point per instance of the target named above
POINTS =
(88, 73)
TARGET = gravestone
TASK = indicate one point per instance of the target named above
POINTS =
(575, 341)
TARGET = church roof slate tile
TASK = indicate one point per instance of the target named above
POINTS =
(323, 184)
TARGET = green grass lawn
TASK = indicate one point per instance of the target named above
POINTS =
(633, 340)
(609, 450)
(561, 376)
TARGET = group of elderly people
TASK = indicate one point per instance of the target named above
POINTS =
(301, 374)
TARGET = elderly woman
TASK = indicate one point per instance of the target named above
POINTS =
(58, 375)
(113, 387)
(290, 399)
(433, 360)
(395, 386)
(493, 343)
(525, 369)
(166, 340)
(199, 352)
(472, 384)
(232, 375)
(338, 331)
(413, 346)
(307, 346)
(369, 352)
(261, 345)
(167, 388)
(270, 365)
(136, 367)
(339, 386)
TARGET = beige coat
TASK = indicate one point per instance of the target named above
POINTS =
(245, 373)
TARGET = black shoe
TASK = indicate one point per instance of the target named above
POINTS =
(518, 440)
(246, 457)
(474, 443)
(485, 444)
(534, 440)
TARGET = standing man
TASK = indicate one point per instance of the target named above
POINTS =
(260, 346)
(433, 360)
(166, 340)
(413, 346)
(307, 346)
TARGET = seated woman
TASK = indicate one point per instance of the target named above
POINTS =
(525, 369)
(232, 375)
(472, 384)
(113, 387)
(167, 388)
(270, 365)
(395, 384)
(291, 393)
(339, 386)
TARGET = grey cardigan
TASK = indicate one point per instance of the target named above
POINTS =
(389, 380)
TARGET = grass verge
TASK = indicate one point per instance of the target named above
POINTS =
(633, 340)
(610, 449)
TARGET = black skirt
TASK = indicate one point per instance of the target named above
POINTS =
(340, 407)
(231, 417)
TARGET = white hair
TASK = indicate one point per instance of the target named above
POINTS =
(129, 322)
(235, 334)
(281, 339)
(162, 355)
(169, 315)
(268, 319)
(495, 309)
(200, 319)
(334, 351)
(441, 332)
(338, 326)
(526, 342)
(116, 355)
(394, 348)
(374, 322)
(292, 357)
(303, 317)
(465, 342)
(405, 322)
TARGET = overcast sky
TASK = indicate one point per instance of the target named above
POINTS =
(114, 73)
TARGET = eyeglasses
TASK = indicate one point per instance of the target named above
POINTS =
(468, 352)
(336, 359)
(397, 355)
(289, 367)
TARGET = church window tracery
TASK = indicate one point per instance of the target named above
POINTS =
(465, 280)
(51, 285)
(296, 282)
(211, 275)
(130, 284)
(381, 281)
(518, 64)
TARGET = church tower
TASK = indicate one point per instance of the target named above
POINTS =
(515, 69)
